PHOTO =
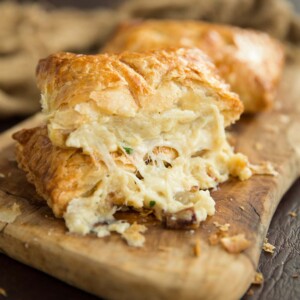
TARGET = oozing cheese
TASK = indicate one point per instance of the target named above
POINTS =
(164, 161)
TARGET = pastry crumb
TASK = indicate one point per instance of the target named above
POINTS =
(264, 168)
(258, 146)
(284, 119)
(267, 247)
(9, 214)
(242, 207)
(197, 248)
(163, 248)
(236, 243)
(271, 128)
(3, 292)
(277, 105)
(295, 275)
(222, 232)
(221, 227)
(293, 214)
(258, 278)
(133, 235)
(213, 239)
(2, 175)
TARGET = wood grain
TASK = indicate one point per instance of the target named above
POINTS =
(166, 267)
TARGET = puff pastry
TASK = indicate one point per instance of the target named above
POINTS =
(250, 61)
(144, 130)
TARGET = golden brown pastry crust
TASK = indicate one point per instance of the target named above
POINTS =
(251, 62)
(130, 82)
(55, 172)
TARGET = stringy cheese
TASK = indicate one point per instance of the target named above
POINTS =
(166, 162)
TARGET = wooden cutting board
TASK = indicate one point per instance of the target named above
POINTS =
(166, 268)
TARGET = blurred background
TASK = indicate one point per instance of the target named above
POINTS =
(30, 30)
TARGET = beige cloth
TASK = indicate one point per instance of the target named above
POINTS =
(29, 32)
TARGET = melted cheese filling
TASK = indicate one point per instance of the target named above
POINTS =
(168, 162)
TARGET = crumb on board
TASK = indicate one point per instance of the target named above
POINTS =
(250, 292)
(197, 248)
(295, 275)
(2, 175)
(284, 119)
(277, 105)
(258, 146)
(267, 247)
(271, 128)
(293, 214)
(3, 292)
(9, 214)
(258, 278)
(221, 227)
(222, 232)
(264, 168)
(236, 243)
(214, 239)
(133, 235)
(164, 248)
(242, 207)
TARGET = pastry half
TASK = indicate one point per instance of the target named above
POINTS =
(139, 130)
(250, 61)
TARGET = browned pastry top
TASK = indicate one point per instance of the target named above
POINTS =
(130, 82)
(250, 61)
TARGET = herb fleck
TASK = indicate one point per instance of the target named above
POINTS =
(128, 150)
(152, 203)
